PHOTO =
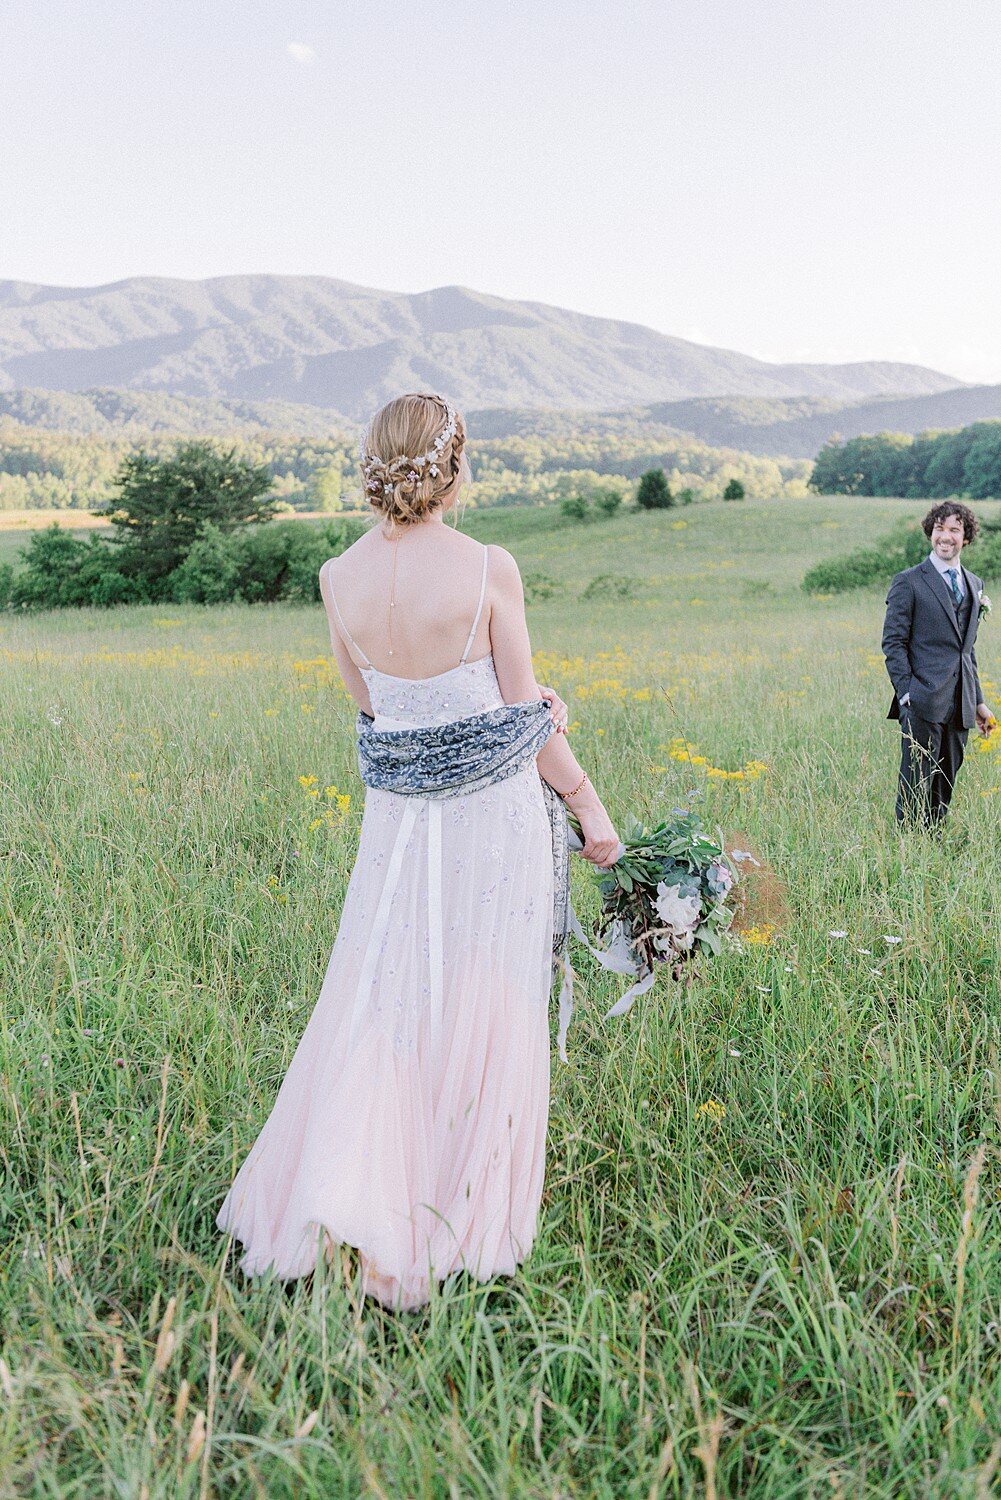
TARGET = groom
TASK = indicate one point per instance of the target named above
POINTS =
(932, 613)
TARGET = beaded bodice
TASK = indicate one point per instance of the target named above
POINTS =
(399, 702)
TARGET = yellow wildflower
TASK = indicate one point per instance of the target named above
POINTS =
(712, 1109)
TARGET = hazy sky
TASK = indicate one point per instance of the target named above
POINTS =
(797, 179)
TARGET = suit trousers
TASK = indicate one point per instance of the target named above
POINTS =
(930, 758)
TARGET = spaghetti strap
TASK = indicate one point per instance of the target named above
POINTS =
(479, 608)
(340, 617)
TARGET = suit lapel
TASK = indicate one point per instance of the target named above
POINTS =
(938, 586)
(973, 589)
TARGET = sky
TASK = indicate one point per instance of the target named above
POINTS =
(796, 179)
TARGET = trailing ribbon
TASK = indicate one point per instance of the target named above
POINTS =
(608, 960)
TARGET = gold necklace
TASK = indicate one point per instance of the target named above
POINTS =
(392, 594)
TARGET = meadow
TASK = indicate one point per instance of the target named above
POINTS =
(769, 1259)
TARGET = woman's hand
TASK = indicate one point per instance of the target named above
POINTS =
(557, 708)
(601, 842)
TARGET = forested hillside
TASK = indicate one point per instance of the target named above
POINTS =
(313, 463)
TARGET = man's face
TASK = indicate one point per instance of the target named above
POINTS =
(948, 538)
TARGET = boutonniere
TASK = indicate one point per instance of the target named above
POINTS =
(985, 606)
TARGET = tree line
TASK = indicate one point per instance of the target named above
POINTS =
(933, 465)
(45, 469)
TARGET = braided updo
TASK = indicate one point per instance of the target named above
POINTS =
(396, 488)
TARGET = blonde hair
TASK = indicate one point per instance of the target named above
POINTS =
(397, 489)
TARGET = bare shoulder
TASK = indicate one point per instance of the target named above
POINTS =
(347, 561)
(504, 569)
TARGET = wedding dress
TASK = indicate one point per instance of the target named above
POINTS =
(411, 1123)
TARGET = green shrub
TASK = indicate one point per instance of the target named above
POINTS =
(615, 585)
(210, 572)
(734, 490)
(653, 491)
(61, 570)
(607, 501)
(901, 548)
(686, 497)
(539, 586)
(986, 559)
(574, 508)
(268, 563)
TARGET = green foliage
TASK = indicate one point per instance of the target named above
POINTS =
(165, 504)
(933, 465)
(653, 491)
(61, 570)
(539, 586)
(734, 490)
(611, 586)
(210, 572)
(277, 562)
(325, 488)
(898, 549)
(602, 501)
(537, 457)
(574, 508)
(686, 496)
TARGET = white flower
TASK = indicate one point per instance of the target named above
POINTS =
(734, 1051)
(680, 913)
(835, 932)
(891, 939)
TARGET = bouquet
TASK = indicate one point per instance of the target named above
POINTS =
(662, 903)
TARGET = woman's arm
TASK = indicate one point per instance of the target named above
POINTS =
(353, 680)
(512, 652)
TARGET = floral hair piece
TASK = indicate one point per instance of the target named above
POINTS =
(430, 458)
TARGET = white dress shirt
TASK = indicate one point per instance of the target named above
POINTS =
(943, 568)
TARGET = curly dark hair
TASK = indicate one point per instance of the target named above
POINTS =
(971, 526)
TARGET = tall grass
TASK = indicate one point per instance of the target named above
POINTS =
(796, 1292)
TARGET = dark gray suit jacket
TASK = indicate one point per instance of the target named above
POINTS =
(926, 653)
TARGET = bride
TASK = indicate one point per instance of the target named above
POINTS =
(411, 1123)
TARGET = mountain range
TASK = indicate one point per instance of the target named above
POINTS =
(330, 344)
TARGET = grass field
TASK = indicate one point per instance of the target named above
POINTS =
(769, 1260)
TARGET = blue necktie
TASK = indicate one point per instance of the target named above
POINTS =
(953, 576)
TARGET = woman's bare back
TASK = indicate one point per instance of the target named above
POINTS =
(435, 588)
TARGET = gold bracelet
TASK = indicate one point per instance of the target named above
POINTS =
(578, 788)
